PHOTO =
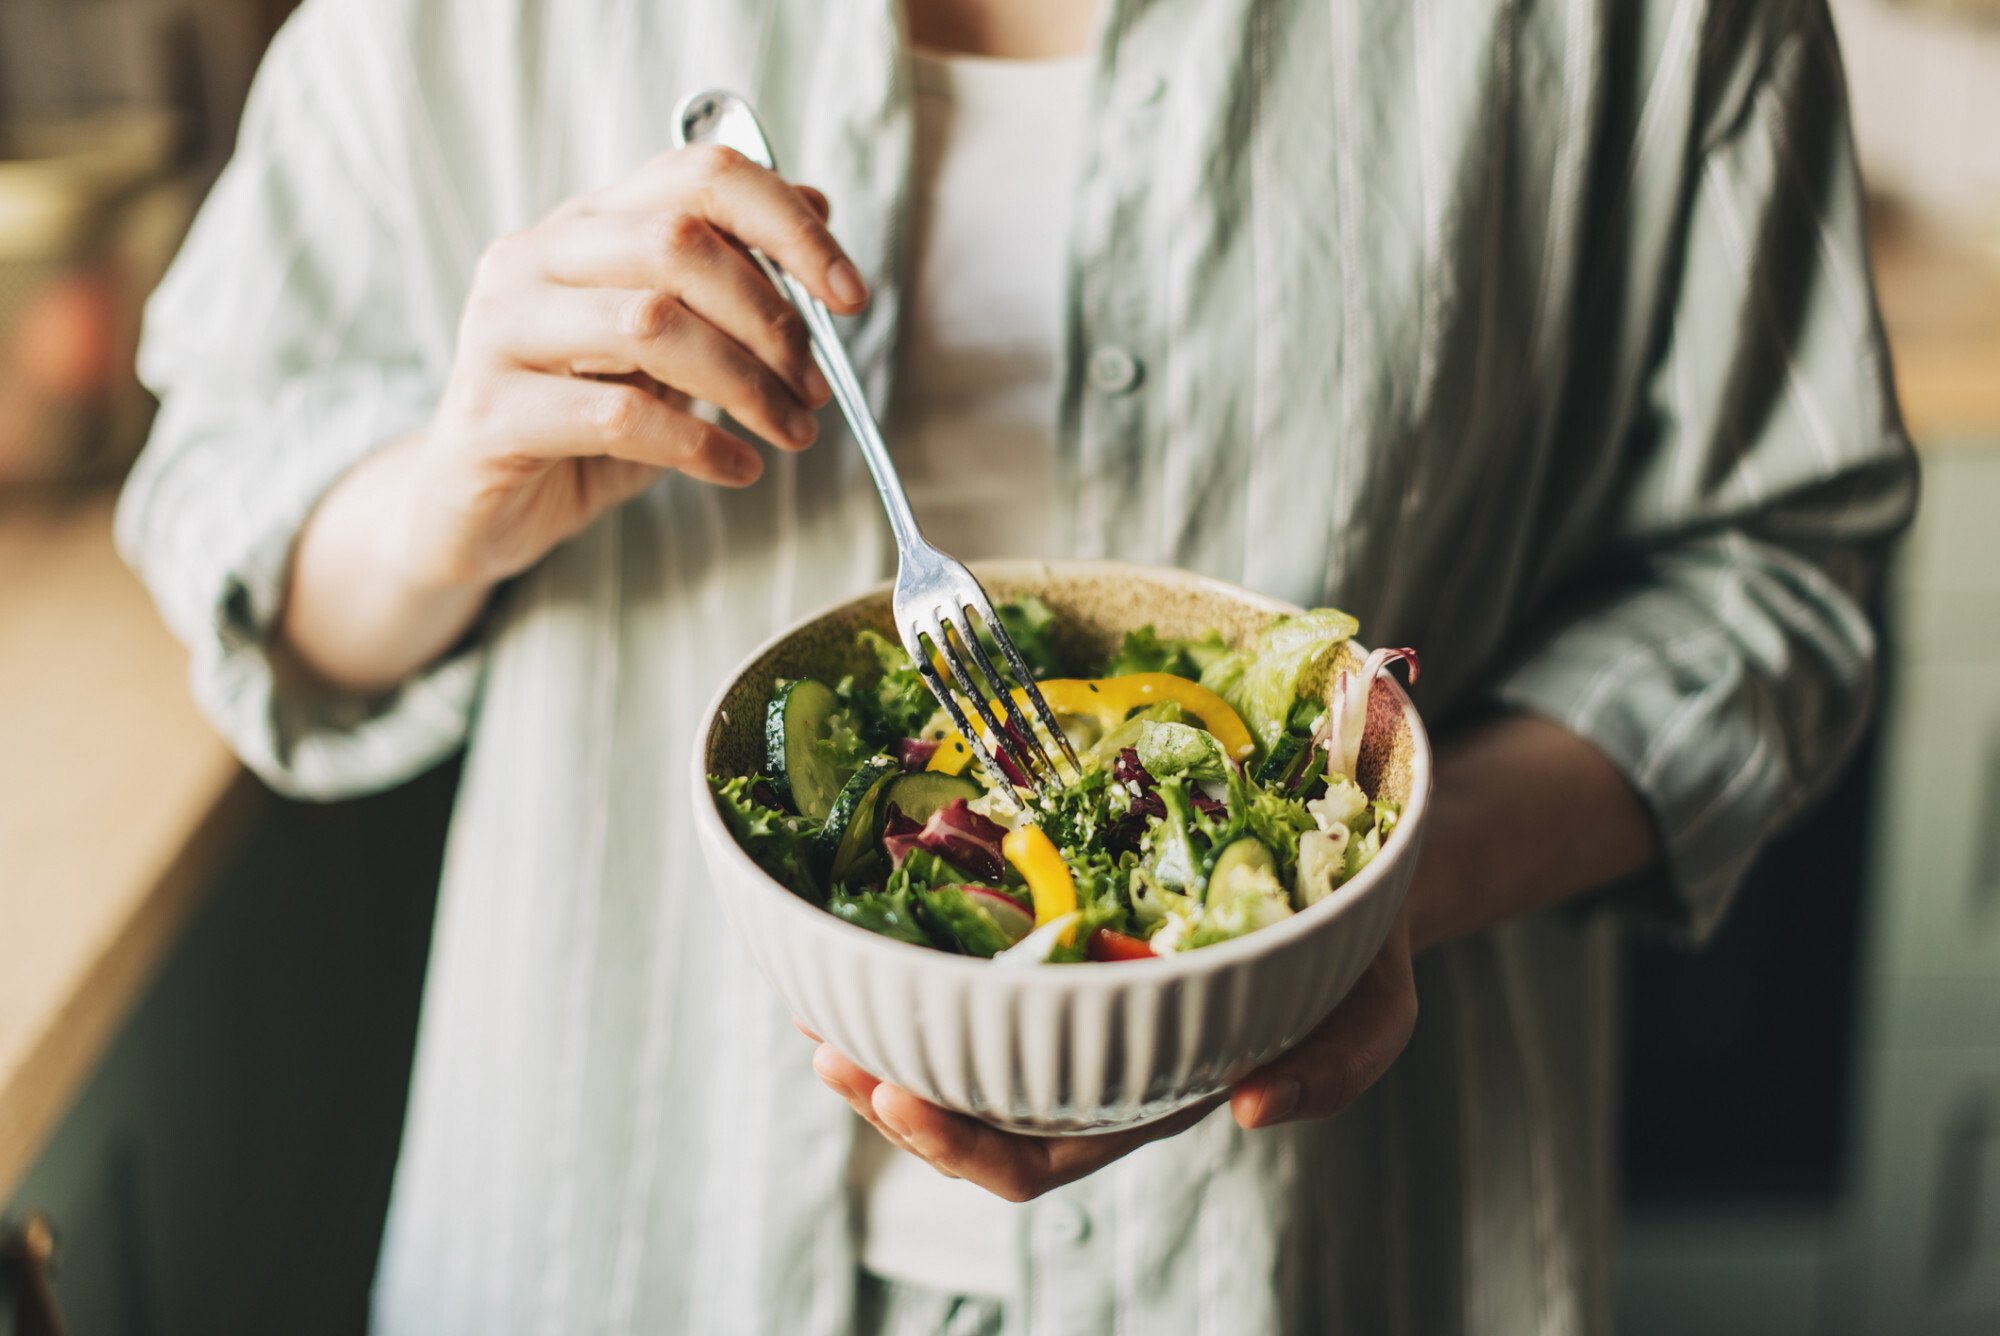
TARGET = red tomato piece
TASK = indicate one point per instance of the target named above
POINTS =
(1105, 944)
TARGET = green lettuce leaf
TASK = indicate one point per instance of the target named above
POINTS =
(891, 912)
(1172, 852)
(1278, 819)
(1262, 681)
(781, 843)
(1170, 750)
(1029, 623)
(955, 912)
(899, 700)
(1144, 651)
(923, 869)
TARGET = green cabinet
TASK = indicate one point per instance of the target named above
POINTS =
(227, 1166)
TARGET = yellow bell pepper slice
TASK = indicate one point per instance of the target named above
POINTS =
(1035, 856)
(1107, 700)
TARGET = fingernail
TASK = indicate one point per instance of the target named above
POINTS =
(801, 426)
(835, 1086)
(1281, 1097)
(845, 281)
(816, 386)
(891, 1121)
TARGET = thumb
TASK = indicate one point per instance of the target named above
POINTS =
(1349, 1051)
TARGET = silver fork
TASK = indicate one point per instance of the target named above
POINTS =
(937, 599)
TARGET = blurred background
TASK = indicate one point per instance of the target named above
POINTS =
(208, 994)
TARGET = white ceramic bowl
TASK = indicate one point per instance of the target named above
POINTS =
(1059, 1048)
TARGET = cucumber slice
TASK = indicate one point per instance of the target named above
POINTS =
(1241, 857)
(854, 824)
(794, 725)
(917, 795)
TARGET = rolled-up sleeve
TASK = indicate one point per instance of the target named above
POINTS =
(281, 348)
(1729, 668)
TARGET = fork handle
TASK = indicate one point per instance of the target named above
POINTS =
(722, 117)
(831, 354)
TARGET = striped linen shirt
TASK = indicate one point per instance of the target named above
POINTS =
(1541, 337)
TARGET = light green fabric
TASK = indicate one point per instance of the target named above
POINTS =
(886, 1308)
(1540, 337)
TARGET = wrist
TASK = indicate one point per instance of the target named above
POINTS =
(366, 605)
(418, 553)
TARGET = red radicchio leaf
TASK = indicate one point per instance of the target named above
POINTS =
(1017, 744)
(1127, 770)
(915, 753)
(955, 833)
(964, 838)
(1126, 832)
(899, 836)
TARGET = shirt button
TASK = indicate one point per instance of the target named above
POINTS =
(1113, 370)
(1061, 1224)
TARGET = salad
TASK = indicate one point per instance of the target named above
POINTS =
(1218, 794)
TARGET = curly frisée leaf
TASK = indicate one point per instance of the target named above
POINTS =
(891, 912)
(1279, 820)
(782, 844)
(899, 699)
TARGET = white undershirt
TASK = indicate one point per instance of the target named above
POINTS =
(997, 156)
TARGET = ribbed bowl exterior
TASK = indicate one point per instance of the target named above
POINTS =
(1071, 1048)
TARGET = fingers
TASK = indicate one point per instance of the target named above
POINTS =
(1349, 1051)
(856, 1086)
(559, 417)
(1009, 1165)
(682, 255)
(1012, 1167)
(1017, 1168)
(751, 204)
(815, 201)
(604, 331)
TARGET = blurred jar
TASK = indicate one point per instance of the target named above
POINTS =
(90, 212)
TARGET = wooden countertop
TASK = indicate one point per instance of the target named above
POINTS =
(116, 802)
(1941, 308)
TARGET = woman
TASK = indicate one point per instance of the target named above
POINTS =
(1540, 338)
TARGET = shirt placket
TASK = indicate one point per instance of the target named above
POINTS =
(1110, 335)
(1065, 1262)
(1111, 332)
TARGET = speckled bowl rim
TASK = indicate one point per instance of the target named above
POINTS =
(1182, 964)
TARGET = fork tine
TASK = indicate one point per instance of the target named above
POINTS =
(973, 686)
(949, 699)
(984, 608)
(1014, 716)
